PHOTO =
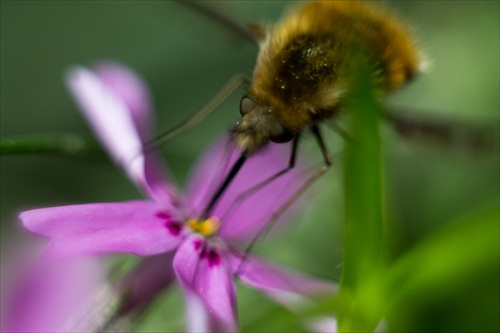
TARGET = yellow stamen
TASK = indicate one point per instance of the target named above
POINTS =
(206, 227)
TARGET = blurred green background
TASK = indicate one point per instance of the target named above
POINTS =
(186, 57)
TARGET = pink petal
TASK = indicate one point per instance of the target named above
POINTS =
(133, 91)
(130, 87)
(107, 113)
(53, 296)
(254, 211)
(206, 278)
(284, 286)
(118, 126)
(147, 280)
(136, 227)
(157, 182)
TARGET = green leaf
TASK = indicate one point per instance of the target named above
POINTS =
(450, 281)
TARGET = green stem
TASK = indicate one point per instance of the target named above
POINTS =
(53, 143)
(360, 288)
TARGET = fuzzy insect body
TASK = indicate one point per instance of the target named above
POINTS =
(305, 65)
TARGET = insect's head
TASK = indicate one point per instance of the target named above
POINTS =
(257, 127)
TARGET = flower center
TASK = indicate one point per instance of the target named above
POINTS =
(204, 227)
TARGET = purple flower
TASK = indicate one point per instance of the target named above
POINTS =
(44, 295)
(167, 226)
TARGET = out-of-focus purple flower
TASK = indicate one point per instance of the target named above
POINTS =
(45, 295)
(167, 226)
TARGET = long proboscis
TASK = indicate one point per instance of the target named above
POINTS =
(220, 191)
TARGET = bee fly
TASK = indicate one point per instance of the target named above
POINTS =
(304, 70)
(303, 76)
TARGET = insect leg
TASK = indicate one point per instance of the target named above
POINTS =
(445, 133)
(276, 215)
(252, 190)
(321, 144)
(227, 90)
(340, 131)
(246, 32)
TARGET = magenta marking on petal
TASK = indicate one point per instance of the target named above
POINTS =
(213, 258)
(197, 245)
(164, 216)
(205, 252)
(174, 228)
(211, 255)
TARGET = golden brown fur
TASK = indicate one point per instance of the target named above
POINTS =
(303, 68)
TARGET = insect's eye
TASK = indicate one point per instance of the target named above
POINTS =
(247, 105)
(279, 134)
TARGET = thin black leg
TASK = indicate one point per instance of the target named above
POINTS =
(281, 210)
(252, 190)
(321, 143)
